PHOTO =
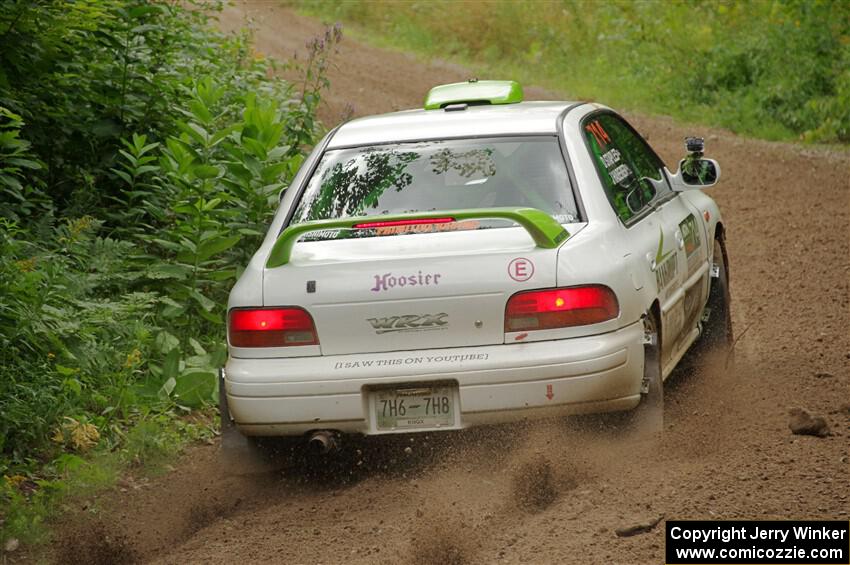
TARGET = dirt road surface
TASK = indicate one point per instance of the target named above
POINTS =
(552, 492)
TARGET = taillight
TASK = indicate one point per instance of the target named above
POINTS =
(560, 308)
(410, 222)
(271, 327)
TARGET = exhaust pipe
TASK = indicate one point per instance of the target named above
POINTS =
(322, 442)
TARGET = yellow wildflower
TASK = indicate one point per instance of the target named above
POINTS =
(133, 359)
(58, 436)
(78, 226)
(82, 437)
(15, 480)
(26, 265)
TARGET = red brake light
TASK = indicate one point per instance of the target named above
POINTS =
(271, 327)
(411, 222)
(560, 308)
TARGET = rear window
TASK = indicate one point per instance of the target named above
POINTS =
(440, 175)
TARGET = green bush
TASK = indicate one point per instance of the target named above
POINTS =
(142, 153)
(16, 159)
(778, 69)
(69, 337)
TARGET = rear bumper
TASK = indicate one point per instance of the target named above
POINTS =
(497, 383)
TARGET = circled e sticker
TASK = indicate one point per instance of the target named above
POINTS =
(521, 269)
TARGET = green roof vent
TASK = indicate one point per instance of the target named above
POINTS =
(474, 92)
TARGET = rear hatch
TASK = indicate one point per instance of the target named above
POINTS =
(443, 257)
(415, 291)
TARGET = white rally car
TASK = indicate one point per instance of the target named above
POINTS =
(480, 260)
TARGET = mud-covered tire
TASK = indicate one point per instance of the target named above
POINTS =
(717, 330)
(647, 418)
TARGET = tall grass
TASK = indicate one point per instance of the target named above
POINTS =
(777, 69)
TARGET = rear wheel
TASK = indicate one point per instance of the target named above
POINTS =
(717, 328)
(648, 417)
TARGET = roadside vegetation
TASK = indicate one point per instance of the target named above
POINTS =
(141, 154)
(775, 69)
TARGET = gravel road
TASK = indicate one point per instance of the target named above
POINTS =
(553, 492)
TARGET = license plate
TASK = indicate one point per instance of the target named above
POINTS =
(410, 408)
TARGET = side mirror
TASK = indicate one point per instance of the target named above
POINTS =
(695, 171)
(699, 172)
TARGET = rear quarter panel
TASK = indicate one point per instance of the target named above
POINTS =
(602, 252)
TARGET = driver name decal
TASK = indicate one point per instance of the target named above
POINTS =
(611, 158)
(620, 174)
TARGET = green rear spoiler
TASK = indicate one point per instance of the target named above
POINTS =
(474, 91)
(543, 228)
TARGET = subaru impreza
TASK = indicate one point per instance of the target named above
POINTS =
(480, 260)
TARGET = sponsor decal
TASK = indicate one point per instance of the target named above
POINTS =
(692, 303)
(521, 269)
(562, 236)
(692, 240)
(409, 322)
(666, 272)
(320, 235)
(674, 323)
(389, 280)
(417, 360)
(660, 256)
(665, 265)
(690, 234)
(683, 317)
(565, 219)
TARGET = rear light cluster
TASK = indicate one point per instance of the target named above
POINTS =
(560, 308)
(271, 327)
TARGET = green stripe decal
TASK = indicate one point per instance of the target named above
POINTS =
(543, 228)
(659, 258)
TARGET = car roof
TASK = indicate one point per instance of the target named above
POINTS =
(523, 118)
